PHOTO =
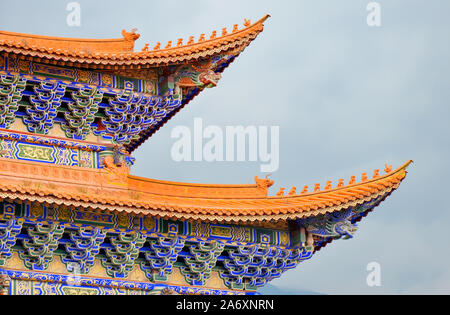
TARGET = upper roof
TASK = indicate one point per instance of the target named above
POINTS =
(117, 57)
(115, 190)
(120, 54)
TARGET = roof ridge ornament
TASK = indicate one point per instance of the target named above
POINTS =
(387, 168)
(341, 184)
(130, 37)
(264, 184)
(202, 38)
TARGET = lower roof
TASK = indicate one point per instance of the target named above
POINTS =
(115, 190)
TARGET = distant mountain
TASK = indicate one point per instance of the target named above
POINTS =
(270, 289)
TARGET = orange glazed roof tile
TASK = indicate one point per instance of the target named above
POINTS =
(62, 45)
(115, 190)
(118, 53)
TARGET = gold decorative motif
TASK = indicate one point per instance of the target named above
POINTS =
(24, 66)
(64, 213)
(241, 234)
(83, 76)
(35, 152)
(94, 216)
(123, 220)
(53, 70)
(149, 223)
(7, 150)
(149, 87)
(221, 231)
(12, 63)
(201, 229)
(94, 79)
(79, 291)
(107, 79)
(47, 288)
(36, 210)
(22, 287)
(284, 238)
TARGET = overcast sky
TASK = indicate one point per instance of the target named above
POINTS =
(347, 97)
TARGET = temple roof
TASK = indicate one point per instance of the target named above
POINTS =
(120, 54)
(114, 190)
(175, 72)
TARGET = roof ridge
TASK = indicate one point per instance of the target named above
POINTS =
(365, 180)
(55, 44)
(18, 34)
(97, 193)
(120, 53)
(213, 38)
